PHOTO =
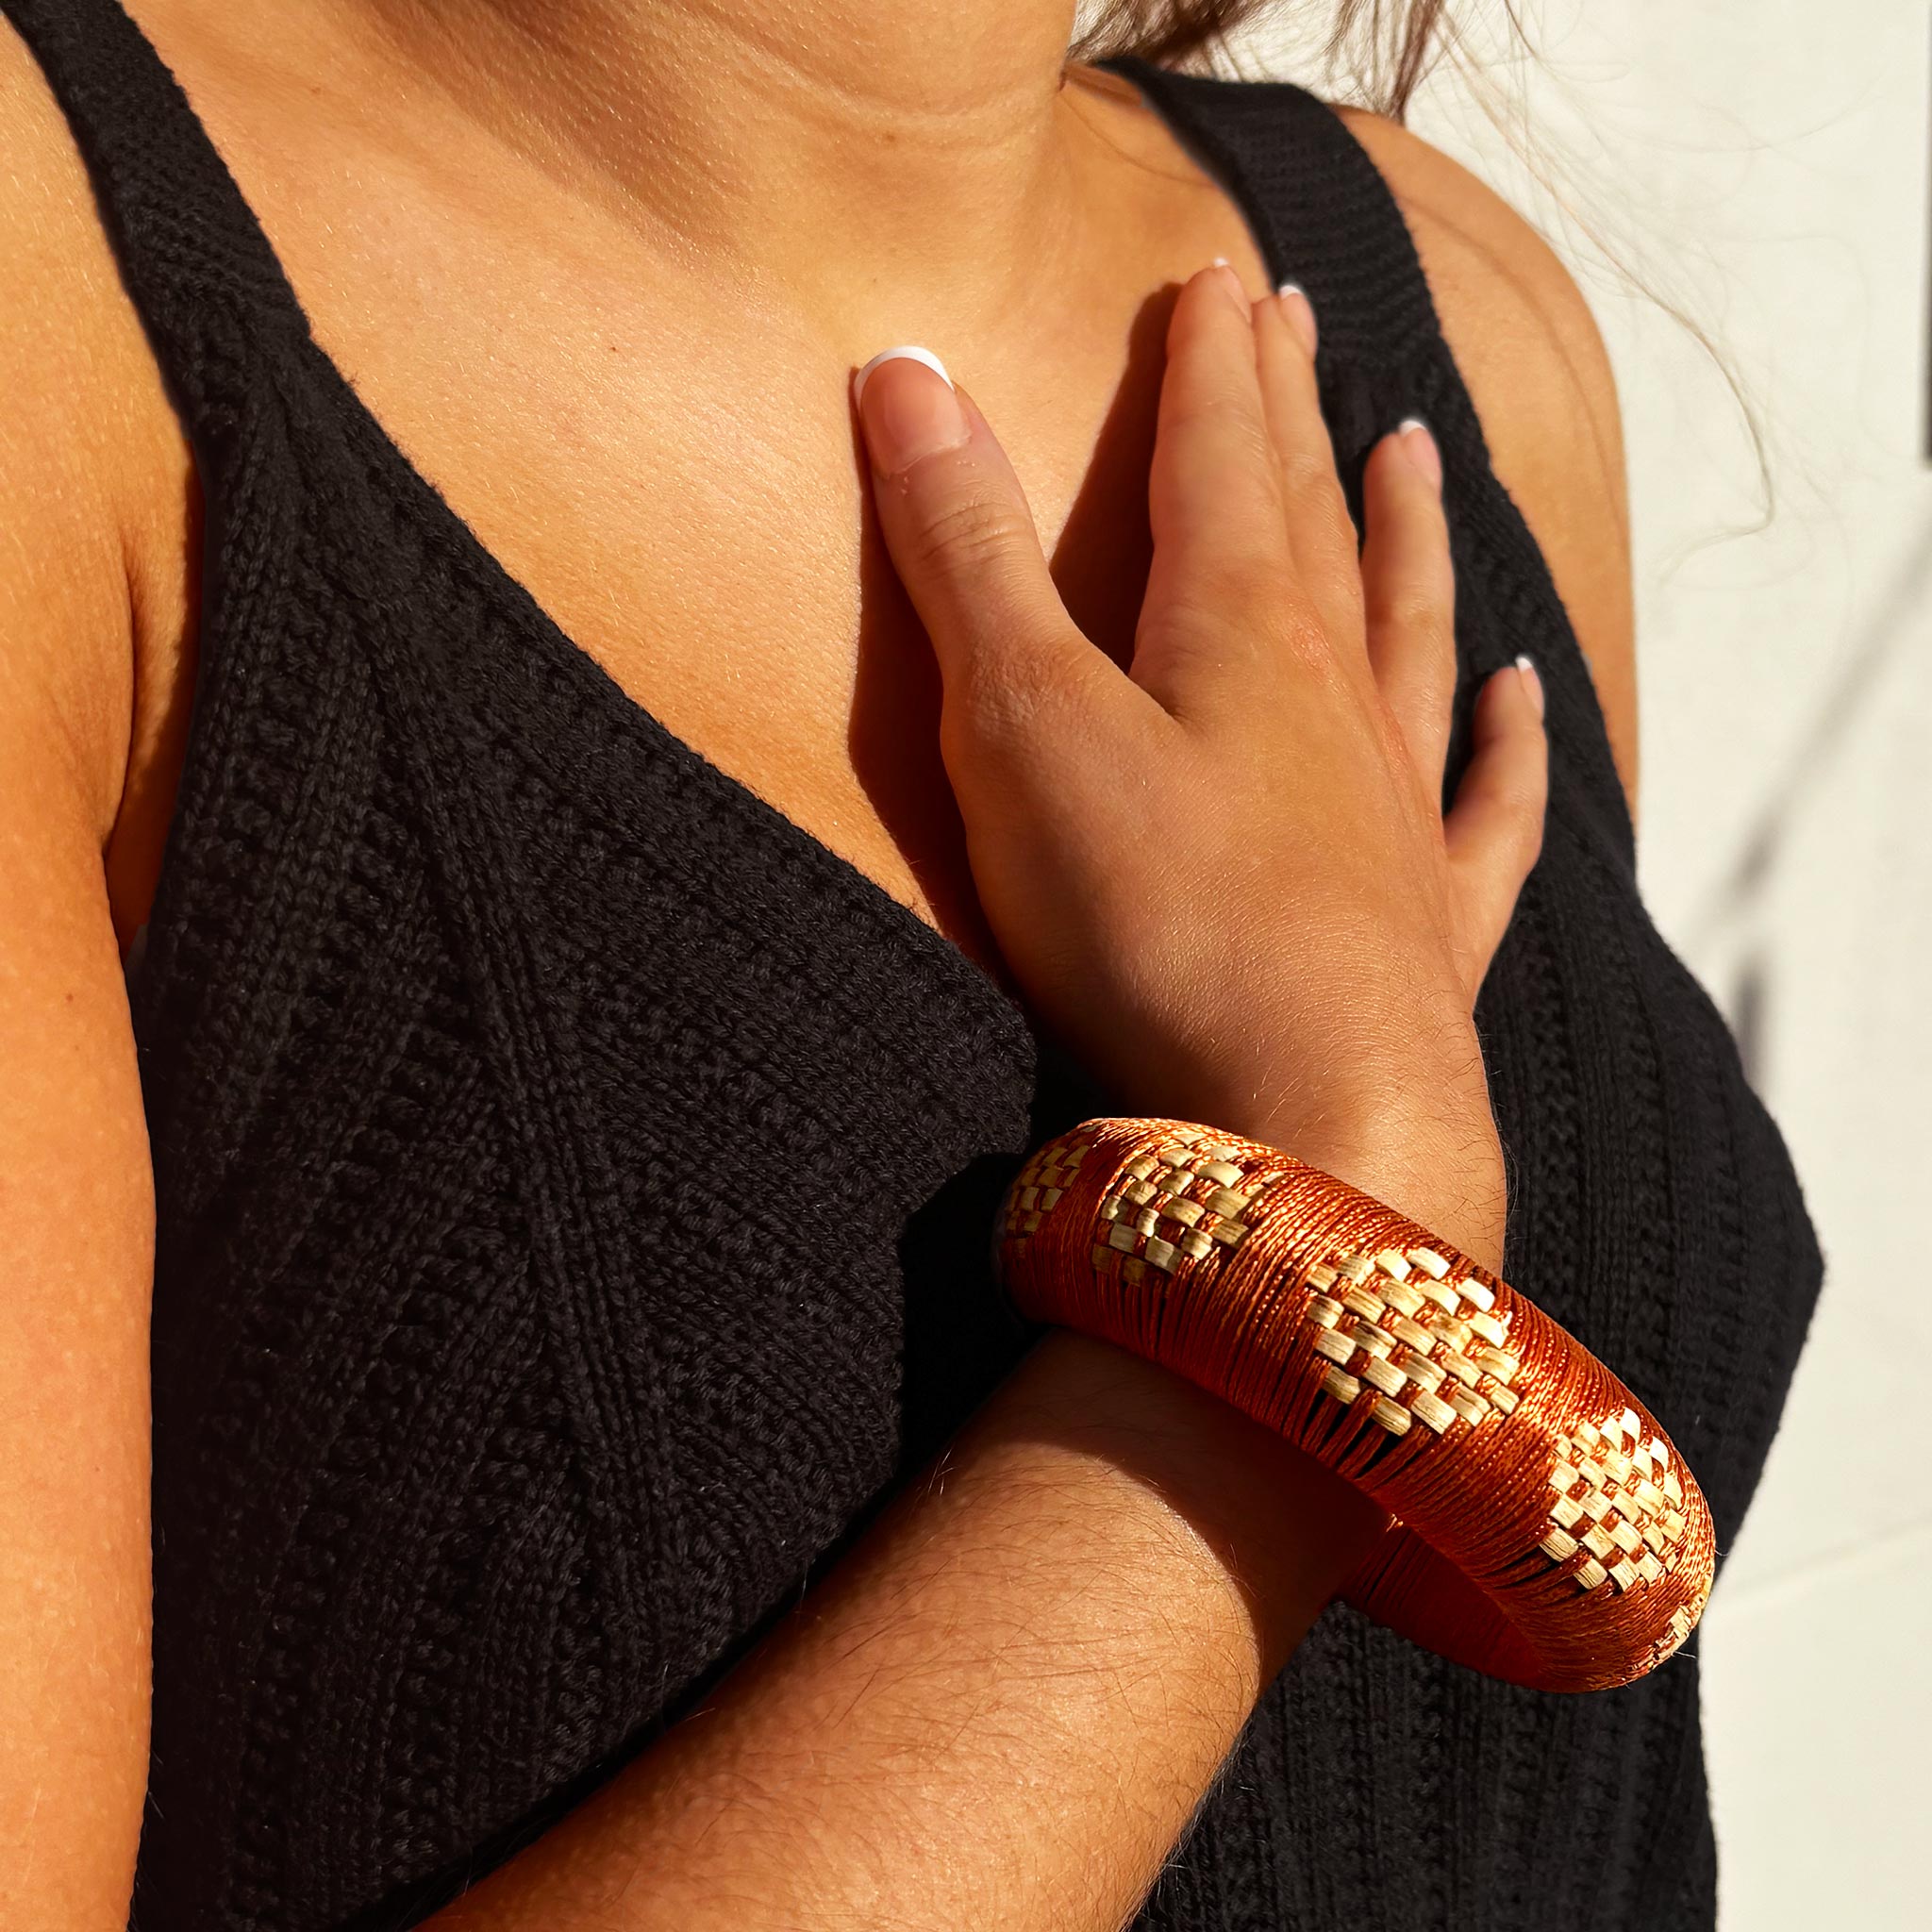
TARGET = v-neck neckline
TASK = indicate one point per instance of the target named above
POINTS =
(584, 680)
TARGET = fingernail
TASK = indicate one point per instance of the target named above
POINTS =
(1232, 281)
(1532, 683)
(1301, 313)
(910, 416)
(1419, 447)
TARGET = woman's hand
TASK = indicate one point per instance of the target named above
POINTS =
(1221, 875)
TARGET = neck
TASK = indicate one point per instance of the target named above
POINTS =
(818, 146)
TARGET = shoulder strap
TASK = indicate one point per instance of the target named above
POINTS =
(1323, 216)
(200, 271)
(1321, 212)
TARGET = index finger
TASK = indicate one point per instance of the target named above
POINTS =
(1222, 582)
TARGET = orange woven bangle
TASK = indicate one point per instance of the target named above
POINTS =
(1545, 1530)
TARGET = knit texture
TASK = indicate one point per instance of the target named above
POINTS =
(575, 1181)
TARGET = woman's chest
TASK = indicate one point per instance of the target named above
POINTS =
(674, 473)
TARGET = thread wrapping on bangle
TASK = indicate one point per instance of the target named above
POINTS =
(1544, 1529)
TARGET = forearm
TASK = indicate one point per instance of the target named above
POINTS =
(1002, 1708)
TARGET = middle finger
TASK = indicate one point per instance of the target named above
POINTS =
(1321, 533)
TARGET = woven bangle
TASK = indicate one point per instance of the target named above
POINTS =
(1545, 1530)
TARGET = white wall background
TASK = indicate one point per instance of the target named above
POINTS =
(1767, 165)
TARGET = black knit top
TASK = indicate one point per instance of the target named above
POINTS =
(573, 1180)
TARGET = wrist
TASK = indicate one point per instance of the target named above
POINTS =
(1447, 1177)
(1424, 1145)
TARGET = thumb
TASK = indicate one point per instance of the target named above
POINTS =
(960, 535)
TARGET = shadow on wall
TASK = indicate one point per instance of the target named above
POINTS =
(1738, 900)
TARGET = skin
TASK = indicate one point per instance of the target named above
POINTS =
(599, 206)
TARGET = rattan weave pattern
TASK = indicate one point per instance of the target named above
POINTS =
(1534, 1476)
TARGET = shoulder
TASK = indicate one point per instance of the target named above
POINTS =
(77, 1237)
(1529, 349)
(93, 462)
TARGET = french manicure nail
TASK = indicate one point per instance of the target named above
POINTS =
(1532, 682)
(1300, 312)
(908, 417)
(1419, 447)
(1232, 280)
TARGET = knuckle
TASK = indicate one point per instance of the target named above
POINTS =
(1302, 630)
(1314, 499)
(1014, 690)
(1342, 592)
(1308, 475)
(965, 534)
(1524, 849)
(1521, 802)
(1416, 512)
(1223, 414)
(1420, 612)
(1246, 588)
(1342, 529)
(1253, 580)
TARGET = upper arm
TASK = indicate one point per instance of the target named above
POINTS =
(75, 1189)
(1531, 352)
